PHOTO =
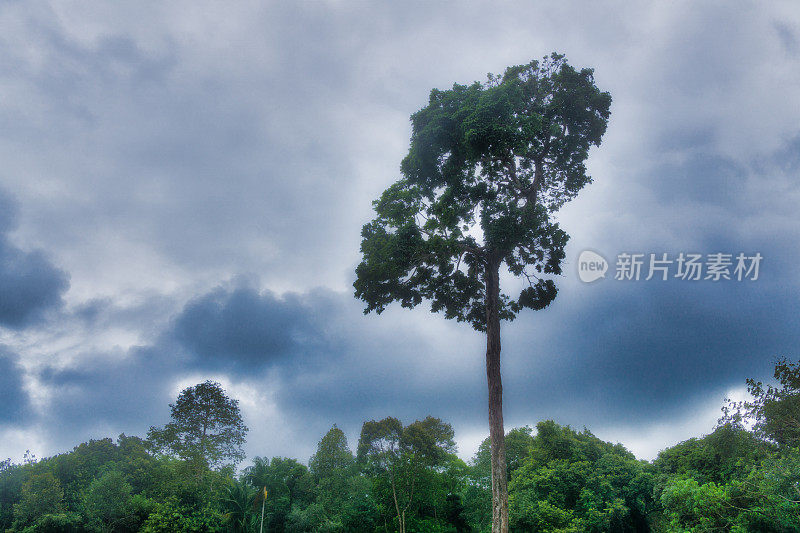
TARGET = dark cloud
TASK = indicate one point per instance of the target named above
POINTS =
(639, 351)
(242, 329)
(29, 283)
(705, 178)
(329, 358)
(110, 393)
(643, 354)
(14, 403)
(788, 37)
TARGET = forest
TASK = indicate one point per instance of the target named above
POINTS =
(744, 476)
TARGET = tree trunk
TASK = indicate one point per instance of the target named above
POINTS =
(400, 514)
(496, 431)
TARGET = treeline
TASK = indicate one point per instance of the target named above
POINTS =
(742, 477)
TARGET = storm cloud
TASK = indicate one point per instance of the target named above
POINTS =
(14, 403)
(30, 284)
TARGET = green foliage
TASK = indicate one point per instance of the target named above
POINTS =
(695, 507)
(238, 505)
(760, 496)
(477, 506)
(12, 476)
(57, 523)
(487, 165)
(477, 495)
(408, 466)
(774, 411)
(341, 493)
(106, 486)
(206, 428)
(518, 443)
(333, 457)
(561, 480)
(766, 499)
(288, 483)
(772, 493)
(735, 479)
(573, 481)
(108, 503)
(169, 517)
(727, 453)
(77, 469)
(407, 479)
(41, 495)
(145, 474)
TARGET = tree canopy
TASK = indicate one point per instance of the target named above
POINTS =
(774, 410)
(206, 427)
(487, 165)
(403, 462)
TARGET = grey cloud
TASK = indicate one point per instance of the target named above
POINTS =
(110, 393)
(29, 283)
(212, 174)
(647, 353)
(14, 402)
(602, 354)
(788, 37)
(636, 353)
(328, 356)
(315, 352)
(705, 178)
(243, 329)
(651, 349)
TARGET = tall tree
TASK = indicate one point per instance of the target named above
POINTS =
(487, 166)
(206, 428)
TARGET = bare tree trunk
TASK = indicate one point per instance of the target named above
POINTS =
(496, 431)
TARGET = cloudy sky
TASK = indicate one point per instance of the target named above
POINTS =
(183, 185)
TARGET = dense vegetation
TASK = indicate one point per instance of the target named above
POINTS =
(742, 477)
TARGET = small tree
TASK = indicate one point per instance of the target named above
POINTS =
(107, 502)
(41, 495)
(288, 484)
(333, 455)
(206, 428)
(239, 502)
(774, 411)
(332, 467)
(488, 164)
(400, 459)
